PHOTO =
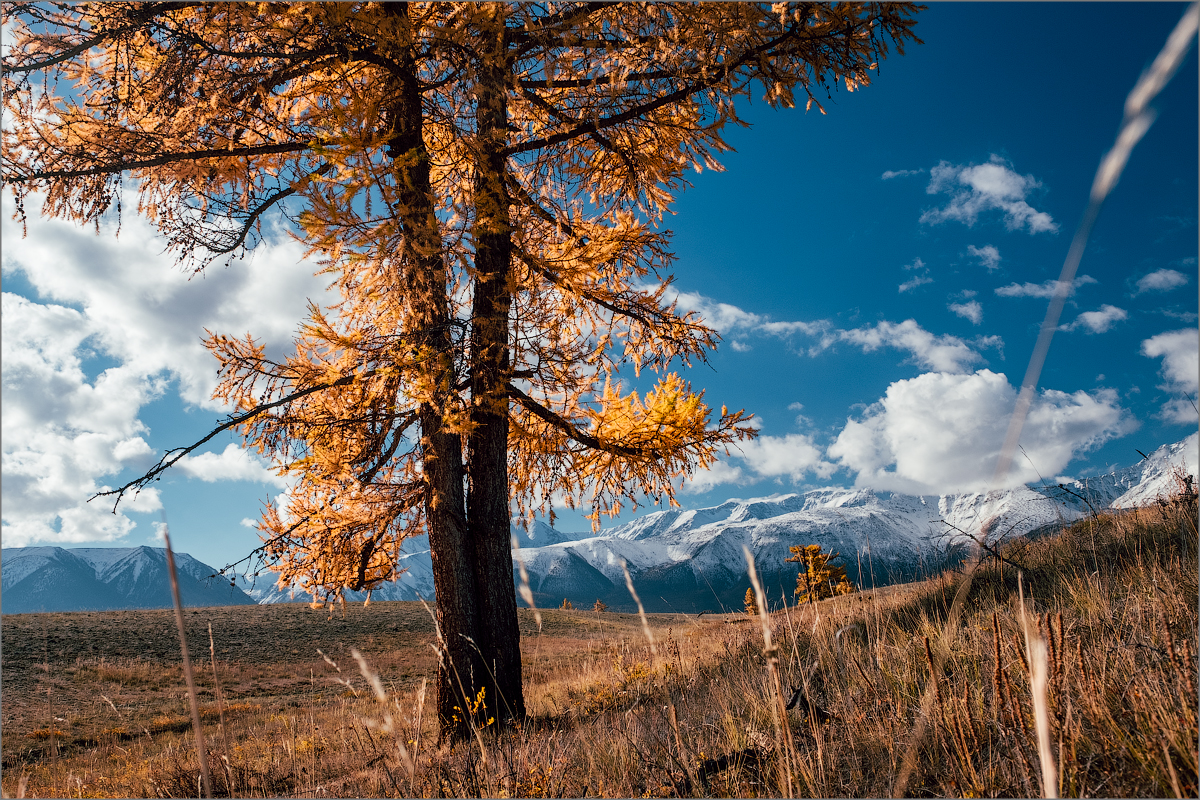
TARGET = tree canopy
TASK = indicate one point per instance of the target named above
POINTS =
(485, 185)
(818, 579)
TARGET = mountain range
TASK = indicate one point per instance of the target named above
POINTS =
(692, 560)
(106, 579)
(679, 560)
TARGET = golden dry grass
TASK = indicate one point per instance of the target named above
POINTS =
(1114, 598)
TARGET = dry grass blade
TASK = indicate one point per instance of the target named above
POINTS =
(1035, 648)
(641, 608)
(524, 589)
(783, 733)
(212, 655)
(388, 725)
(187, 664)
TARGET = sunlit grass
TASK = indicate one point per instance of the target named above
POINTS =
(1113, 598)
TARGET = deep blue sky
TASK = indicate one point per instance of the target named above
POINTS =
(803, 241)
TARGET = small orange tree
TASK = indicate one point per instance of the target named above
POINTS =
(751, 602)
(818, 579)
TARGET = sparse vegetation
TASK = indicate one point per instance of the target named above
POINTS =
(1113, 597)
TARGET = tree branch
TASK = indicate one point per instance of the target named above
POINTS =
(369, 475)
(721, 71)
(152, 10)
(166, 462)
(270, 201)
(168, 158)
(565, 425)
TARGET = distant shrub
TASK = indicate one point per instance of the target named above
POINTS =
(567, 605)
(600, 606)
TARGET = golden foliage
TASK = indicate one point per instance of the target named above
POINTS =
(818, 579)
(215, 113)
(751, 602)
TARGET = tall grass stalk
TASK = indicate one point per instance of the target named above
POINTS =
(201, 754)
(641, 609)
(783, 732)
(1035, 649)
(212, 658)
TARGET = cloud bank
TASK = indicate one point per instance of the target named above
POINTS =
(1043, 290)
(925, 349)
(942, 432)
(116, 325)
(1180, 352)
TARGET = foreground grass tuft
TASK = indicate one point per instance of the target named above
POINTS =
(1113, 597)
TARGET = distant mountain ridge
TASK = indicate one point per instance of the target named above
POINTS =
(680, 560)
(34, 579)
(693, 560)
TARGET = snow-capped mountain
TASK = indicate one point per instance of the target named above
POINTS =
(105, 579)
(1156, 473)
(415, 582)
(679, 560)
(693, 560)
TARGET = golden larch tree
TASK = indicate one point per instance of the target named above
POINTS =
(485, 184)
(818, 579)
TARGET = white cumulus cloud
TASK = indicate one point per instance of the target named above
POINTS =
(900, 173)
(1180, 352)
(1162, 280)
(795, 456)
(988, 255)
(930, 351)
(977, 188)
(972, 311)
(914, 282)
(1043, 290)
(114, 324)
(941, 432)
(232, 464)
(63, 432)
(716, 474)
(942, 353)
(1098, 321)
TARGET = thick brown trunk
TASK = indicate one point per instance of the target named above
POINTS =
(487, 501)
(425, 283)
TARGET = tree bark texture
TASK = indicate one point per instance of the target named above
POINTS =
(460, 673)
(488, 501)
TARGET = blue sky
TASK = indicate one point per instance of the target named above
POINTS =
(878, 275)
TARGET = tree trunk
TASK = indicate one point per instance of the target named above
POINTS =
(488, 509)
(425, 283)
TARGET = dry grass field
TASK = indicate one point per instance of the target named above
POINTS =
(95, 704)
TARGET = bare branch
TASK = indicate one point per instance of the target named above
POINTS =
(270, 201)
(168, 158)
(166, 462)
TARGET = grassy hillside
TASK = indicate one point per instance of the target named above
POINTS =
(1113, 599)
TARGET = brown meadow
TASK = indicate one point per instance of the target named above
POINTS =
(95, 704)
